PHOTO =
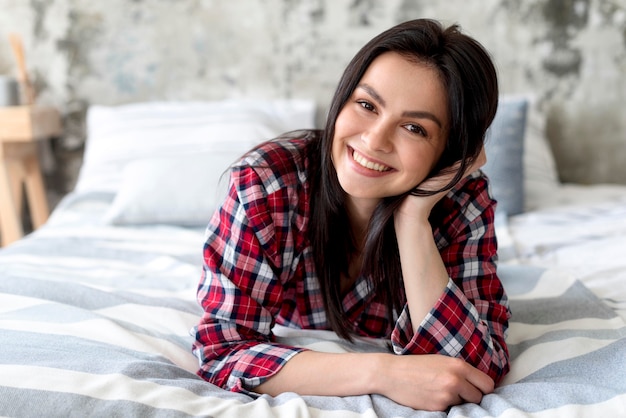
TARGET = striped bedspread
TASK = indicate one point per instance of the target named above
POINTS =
(95, 320)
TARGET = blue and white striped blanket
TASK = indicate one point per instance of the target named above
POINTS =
(95, 319)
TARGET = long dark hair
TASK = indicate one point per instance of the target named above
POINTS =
(469, 78)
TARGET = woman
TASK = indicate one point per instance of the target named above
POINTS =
(378, 226)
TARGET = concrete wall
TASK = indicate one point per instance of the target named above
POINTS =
(570, 54)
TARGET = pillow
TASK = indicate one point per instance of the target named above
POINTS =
(541, 179)
(182, 190)
(506, 245)
(504, 146)
(119, 135)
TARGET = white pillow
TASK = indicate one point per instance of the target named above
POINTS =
(119, 135)
(182, 190)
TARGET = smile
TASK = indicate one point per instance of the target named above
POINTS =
(364, 162)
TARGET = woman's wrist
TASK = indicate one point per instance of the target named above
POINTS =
(378, 368)
(412, 226)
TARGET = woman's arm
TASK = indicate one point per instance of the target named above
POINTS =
(424, 272)
(430, 382)
(248, 257)
(465, 316)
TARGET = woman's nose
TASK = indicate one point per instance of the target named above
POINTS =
(377, 137)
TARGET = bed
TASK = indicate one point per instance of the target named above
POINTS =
(96, 305)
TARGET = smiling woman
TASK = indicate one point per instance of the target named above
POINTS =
(389, 135)
(380, 226)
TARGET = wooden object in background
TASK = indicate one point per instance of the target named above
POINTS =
(20, 129)
(28, 92)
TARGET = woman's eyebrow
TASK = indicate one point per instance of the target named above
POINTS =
(422, 115)
(409, 113)
(370, 90)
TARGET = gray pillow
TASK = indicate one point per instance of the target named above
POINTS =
(505, 151)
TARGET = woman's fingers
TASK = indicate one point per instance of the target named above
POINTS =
(441, 180)
(416, 206)
(481, 381)
(479, 384)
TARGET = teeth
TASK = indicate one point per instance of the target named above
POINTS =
(368, 164)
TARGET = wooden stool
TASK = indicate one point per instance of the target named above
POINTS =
(20, 129)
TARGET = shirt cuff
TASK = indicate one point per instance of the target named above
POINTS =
(445, 329)
(257, 364)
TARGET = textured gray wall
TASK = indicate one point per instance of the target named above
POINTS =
(570, 54)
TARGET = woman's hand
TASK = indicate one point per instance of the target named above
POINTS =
(432, 382)
(420, 206)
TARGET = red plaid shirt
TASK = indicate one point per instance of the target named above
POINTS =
(259, 271)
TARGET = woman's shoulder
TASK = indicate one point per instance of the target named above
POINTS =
(278, 163)
(277, 151)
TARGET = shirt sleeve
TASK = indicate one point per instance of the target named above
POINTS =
(240, 289)
(470, 318)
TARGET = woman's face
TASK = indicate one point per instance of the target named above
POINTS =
(392, 130)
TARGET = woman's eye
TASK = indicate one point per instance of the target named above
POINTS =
(416, 129)
(366, 105)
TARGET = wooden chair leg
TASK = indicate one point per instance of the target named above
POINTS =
(10, 220)
(17, 175)
(35, 191)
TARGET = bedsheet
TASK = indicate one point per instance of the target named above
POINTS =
(95, 320)
(585, 234)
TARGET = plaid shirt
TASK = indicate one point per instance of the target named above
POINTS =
(259, 271)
